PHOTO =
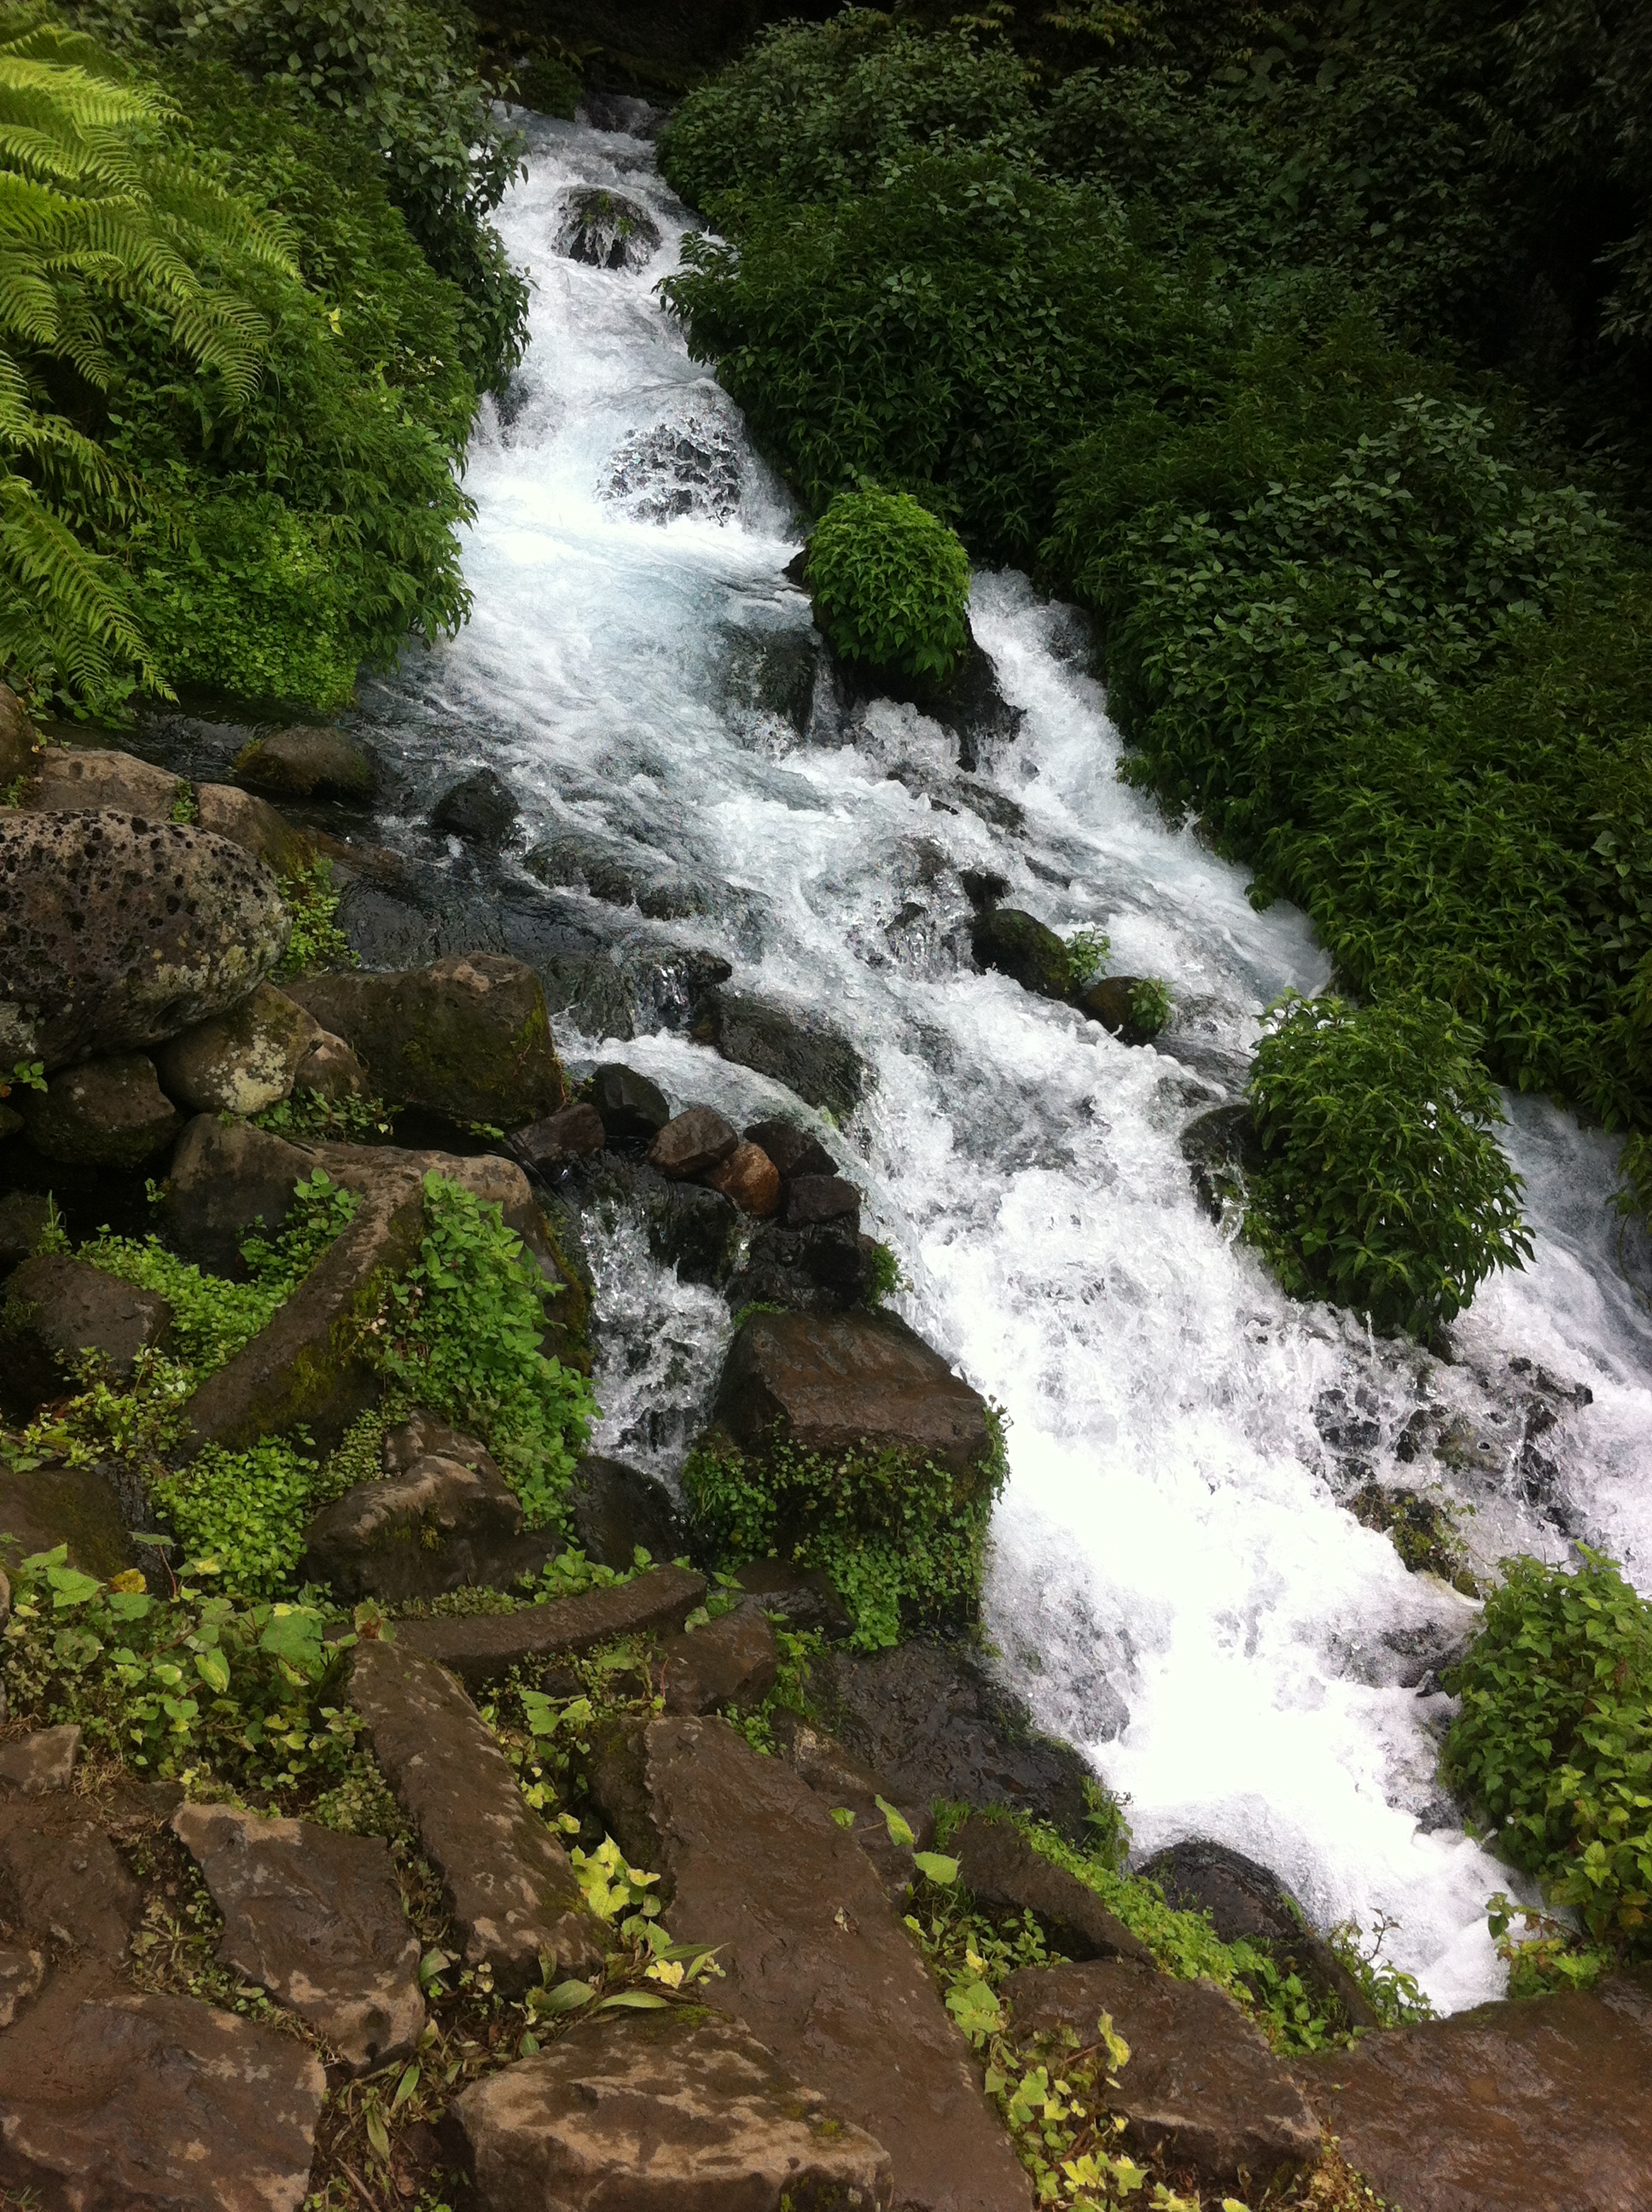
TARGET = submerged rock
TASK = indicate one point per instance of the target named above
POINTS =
(661, 2112)
(1201, 2088)
(307, 763)
(1539, 2106)
(480, 807)
(116, 932)
(678, 468)
(795, 1048)
(606, 230)
(1222, 1149)
(1020, 946)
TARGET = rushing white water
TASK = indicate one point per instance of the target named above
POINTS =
(1175, 1584)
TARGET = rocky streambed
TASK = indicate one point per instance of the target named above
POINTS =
(739, 997)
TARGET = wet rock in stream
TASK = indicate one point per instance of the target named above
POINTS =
(607, 230)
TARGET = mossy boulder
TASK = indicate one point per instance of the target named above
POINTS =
(42, 1507)
(109, 1113)
(1019, 945)
(469, 1035)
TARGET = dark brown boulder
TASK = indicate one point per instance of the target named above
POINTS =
(795, 1048)
(18, 741)
(1539, 2106)
(1022, 948)
(938, 1726)
(692, 1143)
(845, 1783)
(24, 1218)
(117, 932)
(795, 1152)
(667, 2111)
(833, 1382)
(317, 1918)
(618, 1511)
(105, 1113)
(330, 1069)
(116, 2101)
(817, 1966)
(631, 1107)
(1201, 2087)
(54, 1308)
(805, 1598)
(60, 1880)
(469, 1035)
(508, 1880)
(480, 807)
(812, 1199)
(255, 826)
(573, 1132)
(485, 1645)
(307, 763)
(729, 1661)
(227, 1178)
(438, 1525)
(23, 1976)
(32, 1765)
(1000, 1867)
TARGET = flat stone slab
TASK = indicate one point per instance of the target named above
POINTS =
(836, 1383)
(672, 2112)
(32, 1764)
(487, 1645)
(730, 1661)
(1539, 2106)
(72, 1306)
(432, 1526)
(317, 1918)
(60, 1878)
(508, 1880)
(1000, 1867)
(817, 1966)
(111, 2101)
(1201, 2086)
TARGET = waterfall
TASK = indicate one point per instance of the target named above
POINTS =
(1176, 1581)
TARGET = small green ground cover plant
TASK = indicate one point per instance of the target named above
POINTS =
(1381, 1184)
(903, 1538)
(317, 941)
(1552, 1751)
(890, 584)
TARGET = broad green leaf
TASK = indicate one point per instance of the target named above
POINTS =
(937, 1866)
(900, 1830)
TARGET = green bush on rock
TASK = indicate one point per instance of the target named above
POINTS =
(890, 584)
(1553, 1746)
(1381, 1185)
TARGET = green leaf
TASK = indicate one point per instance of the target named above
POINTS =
(634, 2001)
(843, 1815)
(936, 1866)
(406, 2086)
(900, 1830)
(567, 1996)
(69, 1587)
(214, 1670)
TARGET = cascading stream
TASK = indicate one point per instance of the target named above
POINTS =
(1176, 1583)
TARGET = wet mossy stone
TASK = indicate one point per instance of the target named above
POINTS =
(469, 1035)
(1017, 944)
(606, 230)
(812, 1058)
(307, 763)
(106, 1113)
(18, 739)
(633, 1110)
(42, 1507)
(116, 932)
(478, 808)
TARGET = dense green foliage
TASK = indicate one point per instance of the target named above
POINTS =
(1190, 323)
(234, 404)
(462, 1331)
(902, 1538)
(890, 584)
(1553, 1746)
(1381, 1184)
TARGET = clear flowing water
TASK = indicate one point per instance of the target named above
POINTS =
(1175, 1582)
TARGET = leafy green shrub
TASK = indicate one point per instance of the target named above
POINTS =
(1088, 951)
(462, 1331)
(244, 1511)
(317, 941)
(1553, 1746)
(902, 1538)
(1150, 1007)
(1381, 1185)
(890, 584)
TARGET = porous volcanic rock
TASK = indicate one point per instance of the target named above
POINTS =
(749, 1178)
(241, 1061)
(833, 1382)
(484, 1645)
(255, 826)
(797, 1048)
(317, 1918)
(618, 1509)
(56, 1307)
(938, 1726)
(692, 1143)
(307, 763)
(1022, 947)
(631, 1107)
(1000, 1867)
(671, 2112)
(71, 779)
(468, 1036)
(479, 807)
(1201, 2088)
(1542, 2104)
(731, 1660)
(104, 1113)
(508, 1880)
(816, 1965)
(117, 932)
(114, 2100)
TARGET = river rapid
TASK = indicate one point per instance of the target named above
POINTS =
(1175, 1582)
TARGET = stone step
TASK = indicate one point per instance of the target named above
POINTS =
(487, 1645)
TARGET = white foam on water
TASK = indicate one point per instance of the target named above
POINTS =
(1174, 1582)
